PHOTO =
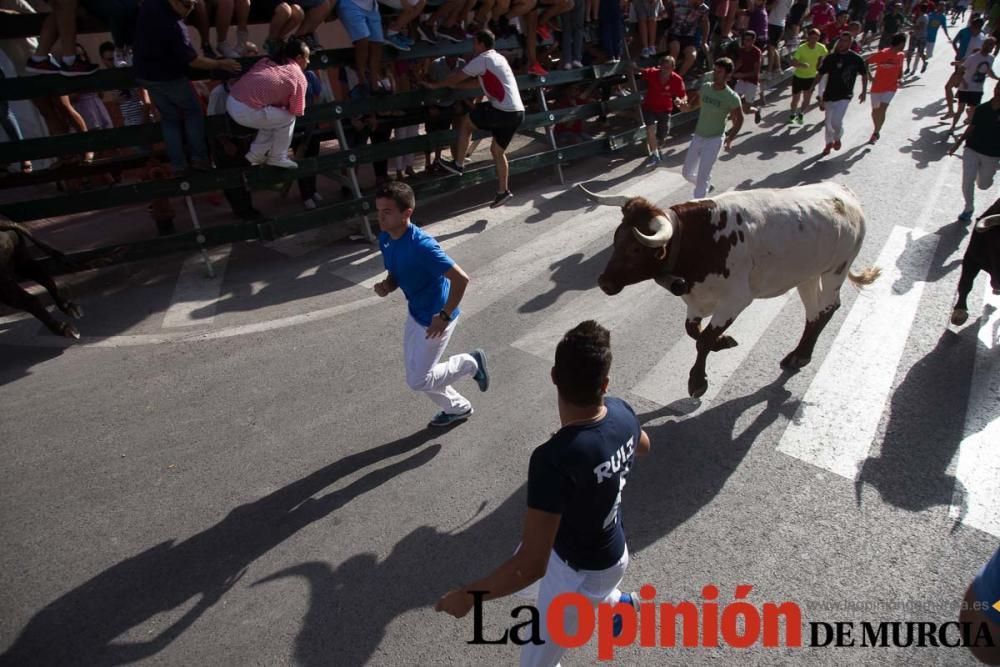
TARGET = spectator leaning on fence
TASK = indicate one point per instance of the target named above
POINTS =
(502, 114)
(268, 98)
(163, 52)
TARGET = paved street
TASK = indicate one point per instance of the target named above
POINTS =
(232, 471)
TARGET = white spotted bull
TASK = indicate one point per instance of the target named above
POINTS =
(720, 254)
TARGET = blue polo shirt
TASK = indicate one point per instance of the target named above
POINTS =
(418, 264)
(162, 49)
(987, 587)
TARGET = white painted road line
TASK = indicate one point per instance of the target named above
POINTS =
(523, 264)
(611, 312)
(838, 418)
(666, 382)
(977, 495)
(195, 291)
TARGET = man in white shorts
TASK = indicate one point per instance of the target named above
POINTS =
(888, 64)
(747, 74)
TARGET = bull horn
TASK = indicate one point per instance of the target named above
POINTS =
(988, 221)
(606, 200)
(663, 229)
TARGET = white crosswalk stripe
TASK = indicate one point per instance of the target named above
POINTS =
(196, 294)
(977, 494)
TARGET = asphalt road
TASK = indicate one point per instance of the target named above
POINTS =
(233, 472)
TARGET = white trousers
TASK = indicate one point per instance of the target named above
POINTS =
(977, 169)
(835, 120)
(423, 372)
(401, 162)
(597, 585)
(701, 156)
(274, 127)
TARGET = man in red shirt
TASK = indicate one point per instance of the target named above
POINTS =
(664, 89)
(888, 64)
(747, 74)
(821, 14)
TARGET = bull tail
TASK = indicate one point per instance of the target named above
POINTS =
(866, 277)
(25, 235)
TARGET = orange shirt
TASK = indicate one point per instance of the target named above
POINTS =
(888, 68)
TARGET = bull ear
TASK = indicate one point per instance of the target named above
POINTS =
(663, 229)
(987, 222)
(606, 200)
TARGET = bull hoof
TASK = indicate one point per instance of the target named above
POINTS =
(70, 331)
(794, 362)
(697, 387)
(724, 343)
(959, 316)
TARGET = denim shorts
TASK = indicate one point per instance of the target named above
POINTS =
(359, 23)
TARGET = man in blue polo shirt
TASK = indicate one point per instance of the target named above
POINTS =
(433, 284)
(573, 541)
(981, 609)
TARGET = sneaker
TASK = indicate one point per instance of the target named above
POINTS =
(393, 39)
(226, 51)
(121, 58)
(544, 33)
(537, 70)
(799, 119)
(836, 145)
(501, 198)
(242, 37)
(312, 42)
(965, 216)
(482, 376)
(792, 118)
(756, 116)
(924, 68)
(873, 138)
(201, 165)
(209, 52)
(567, 66)
(826, 151)
(47, 65)
(452, 34)
(451, 166)
(78, 68)
(577, 64)
(283, 162)
(309, 204)
(617, 622)
(427, 33)
(255, 159)
(409, 41)
(653, 160)
(443, 418)
(317, 197)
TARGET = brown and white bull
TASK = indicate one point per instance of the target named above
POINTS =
(720, 254)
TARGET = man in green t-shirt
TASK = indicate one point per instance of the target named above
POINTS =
(718, 101)
(806, 61)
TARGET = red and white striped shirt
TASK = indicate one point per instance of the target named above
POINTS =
(269, 84)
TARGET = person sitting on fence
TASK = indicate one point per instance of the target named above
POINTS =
(501, 115)
(445, 109)
(664, 91)
(163, 52)
(89, 105)
(364, 26)
(315, 12)
(225, 10)
(268, 98)
(59, 25)
(395, 32)
(446, 21)
(688, 17)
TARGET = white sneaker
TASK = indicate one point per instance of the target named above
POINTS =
(577, 64)
(309, 204)
(226, 51)
(255, 159)
(568, 66)
(317, 197)
(283, 162)
(242, 37)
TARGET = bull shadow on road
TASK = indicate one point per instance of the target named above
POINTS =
(943, 242)
(82, 626)
(569, 274)
(689, 464)
(925, 428)
(16, 362)
(813, 169)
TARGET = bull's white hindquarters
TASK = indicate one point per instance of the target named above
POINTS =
(835, 119)
(977, 169)
(274, 128)
(597, 585)
(701, 156)
(423, 372)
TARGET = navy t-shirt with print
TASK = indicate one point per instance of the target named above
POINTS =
(580, 473)
(418, 264)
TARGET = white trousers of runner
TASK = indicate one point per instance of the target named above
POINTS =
(275, 128)
(701, 156)
(977, 169)
(835, 119)
(597, 585)
(424, 373)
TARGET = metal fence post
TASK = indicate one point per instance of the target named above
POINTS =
(632, 82)
(200, 237)
(550, 131)
(342, 139)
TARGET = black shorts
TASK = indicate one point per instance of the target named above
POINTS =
(439, 123)
(871, 26)
(801, 85)
(970, 98)
(684, 41)
(774, 34)
(501, 124)
(659, 119)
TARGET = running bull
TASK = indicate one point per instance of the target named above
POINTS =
(720, 254)
(16, 264)
(982, 254)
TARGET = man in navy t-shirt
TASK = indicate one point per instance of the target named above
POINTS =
(573, 541)
(434, 285)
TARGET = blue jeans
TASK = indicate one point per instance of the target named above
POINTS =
(178, 105)
(610, 27)
(572, 37)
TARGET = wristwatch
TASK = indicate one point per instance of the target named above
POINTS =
(444, 315)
